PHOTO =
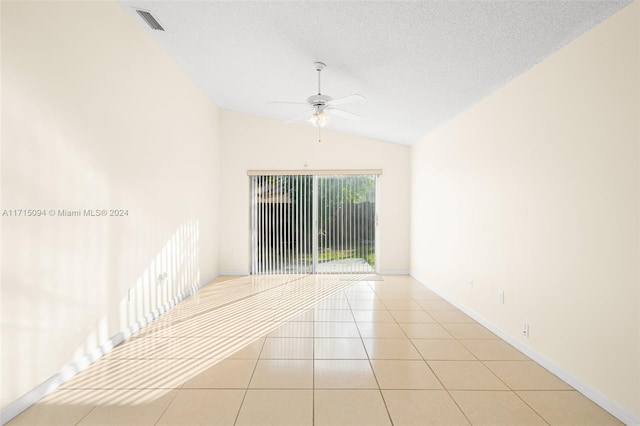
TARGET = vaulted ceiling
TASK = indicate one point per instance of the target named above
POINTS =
(417, 63)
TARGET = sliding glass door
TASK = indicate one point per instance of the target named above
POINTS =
(304, 224)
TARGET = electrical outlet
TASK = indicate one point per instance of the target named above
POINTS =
(470, 283)
(525, 330)
(501, 296)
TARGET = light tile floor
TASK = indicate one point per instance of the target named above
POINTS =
(315, 350)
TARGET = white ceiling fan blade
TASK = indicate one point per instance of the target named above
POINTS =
(304, 115)
(347, 99)
(345, 114)
(287, 102)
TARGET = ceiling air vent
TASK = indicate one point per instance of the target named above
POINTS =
(150, 20)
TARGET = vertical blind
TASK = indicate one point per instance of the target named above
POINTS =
(303, 224)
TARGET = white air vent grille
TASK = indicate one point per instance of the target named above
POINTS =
(150, 20)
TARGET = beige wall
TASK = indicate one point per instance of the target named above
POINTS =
(95, 115)
(535, 191)
(255, 143)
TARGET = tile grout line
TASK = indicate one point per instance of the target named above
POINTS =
(246, 390)
(433, 372)
(443, 386)
(85, 416)
(447, 390)
(167, 407)
(313, 368)
(544, 419)
(384, 401)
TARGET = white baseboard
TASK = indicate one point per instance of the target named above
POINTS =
(621, 413)
(394, 272)
(245, 272)
(235, 272)
(36, 394)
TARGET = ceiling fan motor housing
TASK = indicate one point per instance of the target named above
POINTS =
(319, 101)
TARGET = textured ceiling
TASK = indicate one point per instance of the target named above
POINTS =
(417, 63)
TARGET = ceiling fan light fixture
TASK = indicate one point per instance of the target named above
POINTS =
(319, 119)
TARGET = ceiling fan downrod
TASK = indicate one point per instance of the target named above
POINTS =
(319, 67)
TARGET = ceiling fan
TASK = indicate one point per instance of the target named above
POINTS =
(321, 105)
